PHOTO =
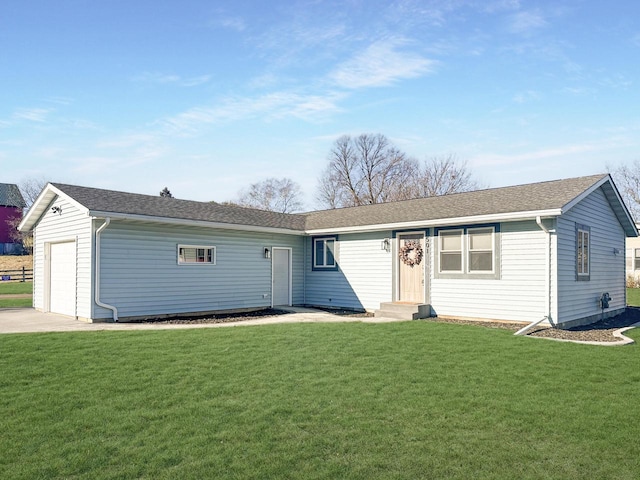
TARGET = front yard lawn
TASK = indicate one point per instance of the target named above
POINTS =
(384, 401)
(13, 288)
(15, 302)
(633, 297)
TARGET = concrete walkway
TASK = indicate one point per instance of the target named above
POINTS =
(28, 320)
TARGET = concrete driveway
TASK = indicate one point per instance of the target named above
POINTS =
(28, 320)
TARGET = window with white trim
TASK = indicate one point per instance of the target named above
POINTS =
(468, 252)
(636, 258)
(324, 253)
(196, 254)
(583, 250)
(480, 250)
(450, 250)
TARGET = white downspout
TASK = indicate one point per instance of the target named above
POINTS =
(547, 281)
(106, 223)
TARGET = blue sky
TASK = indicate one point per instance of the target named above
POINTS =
(206, 97)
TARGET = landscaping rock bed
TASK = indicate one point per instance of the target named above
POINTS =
(597, 332)
(219, 318)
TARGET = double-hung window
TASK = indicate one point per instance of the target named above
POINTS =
(583, 250)
(324, 253)
(196, 254)
(480, 245)
(451, 250)
(636, 258)
(468, 252)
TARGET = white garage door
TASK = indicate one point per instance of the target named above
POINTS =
(62, 278)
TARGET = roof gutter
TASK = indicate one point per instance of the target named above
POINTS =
(99, 231)
(441, 222)
(200, 223)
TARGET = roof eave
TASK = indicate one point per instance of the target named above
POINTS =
(39, 207)
(187, 222)
(441, 222)
(615, 201)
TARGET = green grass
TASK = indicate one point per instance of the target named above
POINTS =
(633, 297)
(13, 288)
(15, 302)
(358, 401)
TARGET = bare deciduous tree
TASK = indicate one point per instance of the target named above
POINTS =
(277, 195)
(627, 178)
(444, 175)
(368, 169)
(30, 188)
(364, 170)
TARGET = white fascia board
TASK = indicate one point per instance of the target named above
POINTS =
(585, 194)
(633, 227)
(47, 195)
(195, 223)
(442, 222)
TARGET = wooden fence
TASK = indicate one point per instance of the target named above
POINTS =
(21, 275)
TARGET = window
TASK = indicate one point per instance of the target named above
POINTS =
(451, 250)
(468, 252)
(195, 254)
(583, 250)
(636, 258)
(324, 253)
(480, 249)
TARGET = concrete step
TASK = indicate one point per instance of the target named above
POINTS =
(403, 310)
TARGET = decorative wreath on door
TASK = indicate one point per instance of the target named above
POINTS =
(411, 253)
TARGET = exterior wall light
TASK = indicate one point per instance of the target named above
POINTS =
(267, 252)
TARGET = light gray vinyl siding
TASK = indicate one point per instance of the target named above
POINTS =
(140, 275)
(363, 278)
(579, 299)
(71, 224)
(519, 294)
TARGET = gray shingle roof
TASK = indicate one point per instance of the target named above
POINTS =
(520, 198)
(97, 200)
(10, 196)
(543, 196)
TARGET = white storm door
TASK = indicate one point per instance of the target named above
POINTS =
(62, 278)
(281, 276)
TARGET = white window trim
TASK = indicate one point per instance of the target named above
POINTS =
(441, 250)
(206, 247)
(323, 241)
(493, 250)
(636, 258)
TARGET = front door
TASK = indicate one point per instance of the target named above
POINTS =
(411, 262)
(281, 276)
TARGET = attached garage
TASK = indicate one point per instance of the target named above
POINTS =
(62, 278)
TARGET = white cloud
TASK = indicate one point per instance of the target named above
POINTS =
(492, 160)
(526, 22)
(168, 78)
(232, 23)
(526, 96)
(38, 115)
(579, 91)
(381, 64)
(270, 106)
